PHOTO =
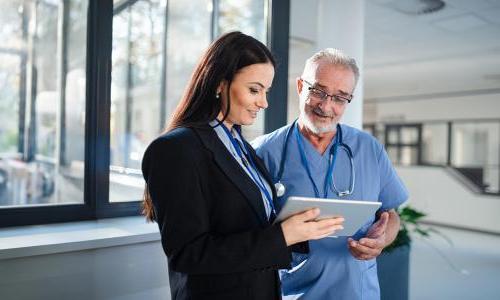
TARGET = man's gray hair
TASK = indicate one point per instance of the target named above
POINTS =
(334, 57)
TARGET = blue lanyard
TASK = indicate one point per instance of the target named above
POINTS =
(331, 163)
(239, 147)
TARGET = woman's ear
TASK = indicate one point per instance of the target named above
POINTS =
(221, 87)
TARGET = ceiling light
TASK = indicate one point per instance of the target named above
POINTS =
(417, 7)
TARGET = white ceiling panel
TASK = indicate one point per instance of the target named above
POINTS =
(454, 49)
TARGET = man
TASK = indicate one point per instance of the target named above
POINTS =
(312, 157)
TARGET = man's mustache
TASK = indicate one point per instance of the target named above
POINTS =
(320, 112)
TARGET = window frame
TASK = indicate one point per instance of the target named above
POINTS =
(451, 127)
(399, 145)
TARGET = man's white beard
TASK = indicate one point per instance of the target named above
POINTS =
(307, 122)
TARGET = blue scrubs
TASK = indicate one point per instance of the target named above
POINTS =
(329, 271)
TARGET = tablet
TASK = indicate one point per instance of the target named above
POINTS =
(355, 213)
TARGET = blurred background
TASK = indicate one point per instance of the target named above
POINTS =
(85, 86)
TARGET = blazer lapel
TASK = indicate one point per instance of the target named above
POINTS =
(263, 170)
(225, 160)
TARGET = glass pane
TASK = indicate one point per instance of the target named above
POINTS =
(435, 143)
(392, 135)
(138, 34)
(249, 17)
(409, 156)
(475, 148)
(42, 130)
(409, 135)
(10, 74)
(189, 31)
(138, 112)
(475, 144)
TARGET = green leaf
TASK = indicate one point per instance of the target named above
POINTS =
(422, 232)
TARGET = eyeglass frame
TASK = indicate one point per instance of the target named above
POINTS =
(335, 98)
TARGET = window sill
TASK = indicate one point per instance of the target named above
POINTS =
(26, 241)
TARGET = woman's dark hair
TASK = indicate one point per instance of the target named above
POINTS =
(199, 104)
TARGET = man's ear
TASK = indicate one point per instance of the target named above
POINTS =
(300, 85)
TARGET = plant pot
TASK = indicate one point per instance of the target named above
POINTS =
(393, 270)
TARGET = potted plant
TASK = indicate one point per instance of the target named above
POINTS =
(394, 262)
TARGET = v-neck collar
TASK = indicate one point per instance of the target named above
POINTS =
(313, 156)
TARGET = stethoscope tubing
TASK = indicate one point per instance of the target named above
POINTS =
(280, 187)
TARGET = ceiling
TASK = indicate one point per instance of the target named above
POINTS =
(452, 51)
(461, 28)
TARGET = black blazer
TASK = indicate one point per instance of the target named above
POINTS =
(212, 219)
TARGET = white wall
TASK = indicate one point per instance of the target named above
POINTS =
(137, 271)
(447, 201)
(479, 106)
(319, 24)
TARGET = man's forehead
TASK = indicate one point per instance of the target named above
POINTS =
(327, 68)
(313, 69)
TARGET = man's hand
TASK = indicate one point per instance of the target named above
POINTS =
(375, 240)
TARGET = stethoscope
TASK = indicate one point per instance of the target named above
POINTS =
(338, 143)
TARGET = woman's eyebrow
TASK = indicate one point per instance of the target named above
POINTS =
(258, 83)
(261, 85)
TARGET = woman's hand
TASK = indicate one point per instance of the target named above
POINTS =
(303, 227)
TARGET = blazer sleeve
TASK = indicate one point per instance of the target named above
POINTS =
(171, 169)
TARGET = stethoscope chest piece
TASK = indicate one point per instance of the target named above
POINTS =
(280, 189)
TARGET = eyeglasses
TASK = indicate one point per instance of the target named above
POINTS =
(319, 94)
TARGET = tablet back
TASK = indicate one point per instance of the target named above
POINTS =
(356, 213)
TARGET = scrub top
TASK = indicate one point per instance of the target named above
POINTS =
(329, 271)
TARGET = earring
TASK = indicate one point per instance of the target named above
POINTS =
(217, 95)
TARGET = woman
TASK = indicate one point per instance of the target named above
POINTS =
(210, 194)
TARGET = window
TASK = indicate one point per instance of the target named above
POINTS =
(470, 147)
(42, 102)
(152, 63)
(475, 148)
(189, 34)
(435, 143)
(402, 143)
(248, 16)
(138, 52)
(85, 86)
